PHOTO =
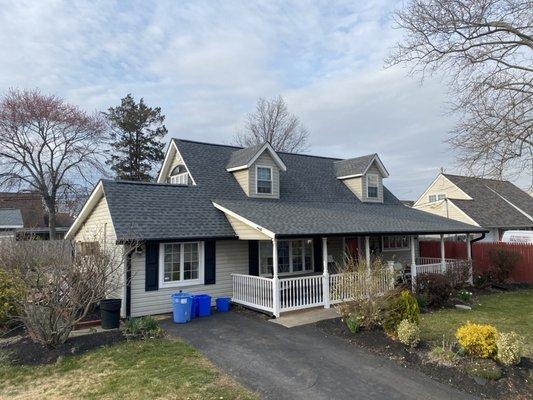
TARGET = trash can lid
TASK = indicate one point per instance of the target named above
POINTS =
(181, 295)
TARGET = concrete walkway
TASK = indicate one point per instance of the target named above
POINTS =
(305, 317)
(302, 362)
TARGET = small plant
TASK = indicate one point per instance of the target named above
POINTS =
(465, 296)
(353, 323)
(436, 287)
(12, 293)
(444, 354)
(408, 333)
(142, 328)
(402, 307)
(484, 369)
(422, 300)
(478, 340)
(510, 347)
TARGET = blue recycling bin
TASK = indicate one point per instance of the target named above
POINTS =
(182, 307)
(195, 306)
(223, 304)
(204, 305)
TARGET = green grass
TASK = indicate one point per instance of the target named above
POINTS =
(153, 369)
(512, 311)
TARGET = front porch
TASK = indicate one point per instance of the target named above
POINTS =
(277, 294)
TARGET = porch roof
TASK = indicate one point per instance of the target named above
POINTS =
(290, 219)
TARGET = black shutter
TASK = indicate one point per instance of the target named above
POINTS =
(253, 257)
(317, 250)
(152, 266)
(210, 262)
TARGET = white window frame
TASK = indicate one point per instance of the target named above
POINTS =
(271, 179)
(377, 185)
(384, 249)
(305, 268)
(181, 282)
(438, 197)
(175, 179)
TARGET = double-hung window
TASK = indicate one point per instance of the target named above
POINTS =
(372, 181)
(180, 264)
(294, 256)
(392, 243)
(263, 180)
(437, 197)
(180, 179)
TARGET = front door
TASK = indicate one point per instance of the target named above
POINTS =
(352, 248)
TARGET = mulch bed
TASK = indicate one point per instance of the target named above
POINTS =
(513, 385)
(23, 351)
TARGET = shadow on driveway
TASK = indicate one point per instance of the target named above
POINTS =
(302, 362)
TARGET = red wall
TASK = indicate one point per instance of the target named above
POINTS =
(523, 272)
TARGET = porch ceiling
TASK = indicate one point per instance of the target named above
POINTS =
(290, 219)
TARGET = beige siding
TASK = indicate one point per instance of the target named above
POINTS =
(231, 257)
(358, 185)
(443, 185)
(243, 179)
(264, 160)
(355, 185)
(244, 231)
(446, 208)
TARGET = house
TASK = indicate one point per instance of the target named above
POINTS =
(492, 204)
(26, 208)
(252, 224)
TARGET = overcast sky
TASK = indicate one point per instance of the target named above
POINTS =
(206, 63)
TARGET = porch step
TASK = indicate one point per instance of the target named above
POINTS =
(304, 317)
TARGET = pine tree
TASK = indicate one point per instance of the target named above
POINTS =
(136, 133)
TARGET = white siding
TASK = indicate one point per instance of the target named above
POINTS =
(231, 257)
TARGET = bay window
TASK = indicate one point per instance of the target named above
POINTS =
(294, 256)
(180, 264)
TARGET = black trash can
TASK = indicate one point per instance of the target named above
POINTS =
(110, 313)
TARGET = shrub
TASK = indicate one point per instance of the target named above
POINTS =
(399, 308)
(142, 328)
(408, 333)
(503, 263)
(464, 295)
(509, 348)
(422, 300)
(478, 340)
(12, 293)
(442, 355)
(353, 323)
(486, 369)
(436, 287)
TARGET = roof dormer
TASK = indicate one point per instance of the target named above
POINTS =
(363, 176)
(257, 169)
(174, 169)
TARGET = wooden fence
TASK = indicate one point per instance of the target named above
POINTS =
(481, 258)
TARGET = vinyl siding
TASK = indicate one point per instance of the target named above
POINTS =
(446, 208)
(243, 179)
(355, 185)
(264, 160)
(358, 185)
(231, 257)
(335, 248)
(245, 232)
(444, 185)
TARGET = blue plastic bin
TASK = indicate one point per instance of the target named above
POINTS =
(182, 306)
(223, 304)
(195, 306)
(204, 305)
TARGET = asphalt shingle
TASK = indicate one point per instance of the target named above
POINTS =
(353, 166)
(10, 217)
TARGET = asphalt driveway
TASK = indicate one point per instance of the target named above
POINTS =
(302, 362)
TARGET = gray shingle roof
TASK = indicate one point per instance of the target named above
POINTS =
(353, 166)
(10, 217)
(243, 156)
(310, 198)
(488, 208)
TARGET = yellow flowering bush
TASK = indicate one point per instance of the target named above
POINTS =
(478, 340)
(509, 348)
(408, 333)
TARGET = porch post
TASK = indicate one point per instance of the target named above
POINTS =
(442, 255)
(413, 264)
(325, 273)
(367, 252)
(275, 279)
(468, 247)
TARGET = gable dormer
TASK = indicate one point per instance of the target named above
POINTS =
(363, 176)
(174, 169)
(257, 170)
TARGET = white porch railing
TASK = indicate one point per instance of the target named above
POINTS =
(301, 292)
(253, 291)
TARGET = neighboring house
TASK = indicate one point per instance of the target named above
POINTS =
(492, 204)
(236, 222)
(408, 203)
(34, 220)
(10, 221)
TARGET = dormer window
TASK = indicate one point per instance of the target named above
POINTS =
(179, 175)
(264, 180)
(372, 182)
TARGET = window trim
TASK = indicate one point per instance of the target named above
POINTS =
(437, 195)
(377, 186)
(271, 179)
(305, 268)
(384, 249)
(179, 175)
(188, 282)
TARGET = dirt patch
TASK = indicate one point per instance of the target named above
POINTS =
(516, 383)
(23, 351)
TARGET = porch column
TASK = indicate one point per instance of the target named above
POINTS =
(442, 255)
(413, 264)
(325, 273)
(468, 247)
(367, 252)
(275, 279)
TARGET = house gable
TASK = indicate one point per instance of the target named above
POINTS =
(363, 176)
(174, 169)
(442, 186)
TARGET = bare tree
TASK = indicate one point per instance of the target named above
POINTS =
(272, 122)
(48, 146)
(485, 50)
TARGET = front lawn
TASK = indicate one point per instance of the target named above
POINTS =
(508, 311)
(130, 370)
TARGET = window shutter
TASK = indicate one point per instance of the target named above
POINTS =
(317, 250)
(253, 257)
(152, 266)
(210, 262)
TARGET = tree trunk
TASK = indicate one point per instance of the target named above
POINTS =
(52, 224)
